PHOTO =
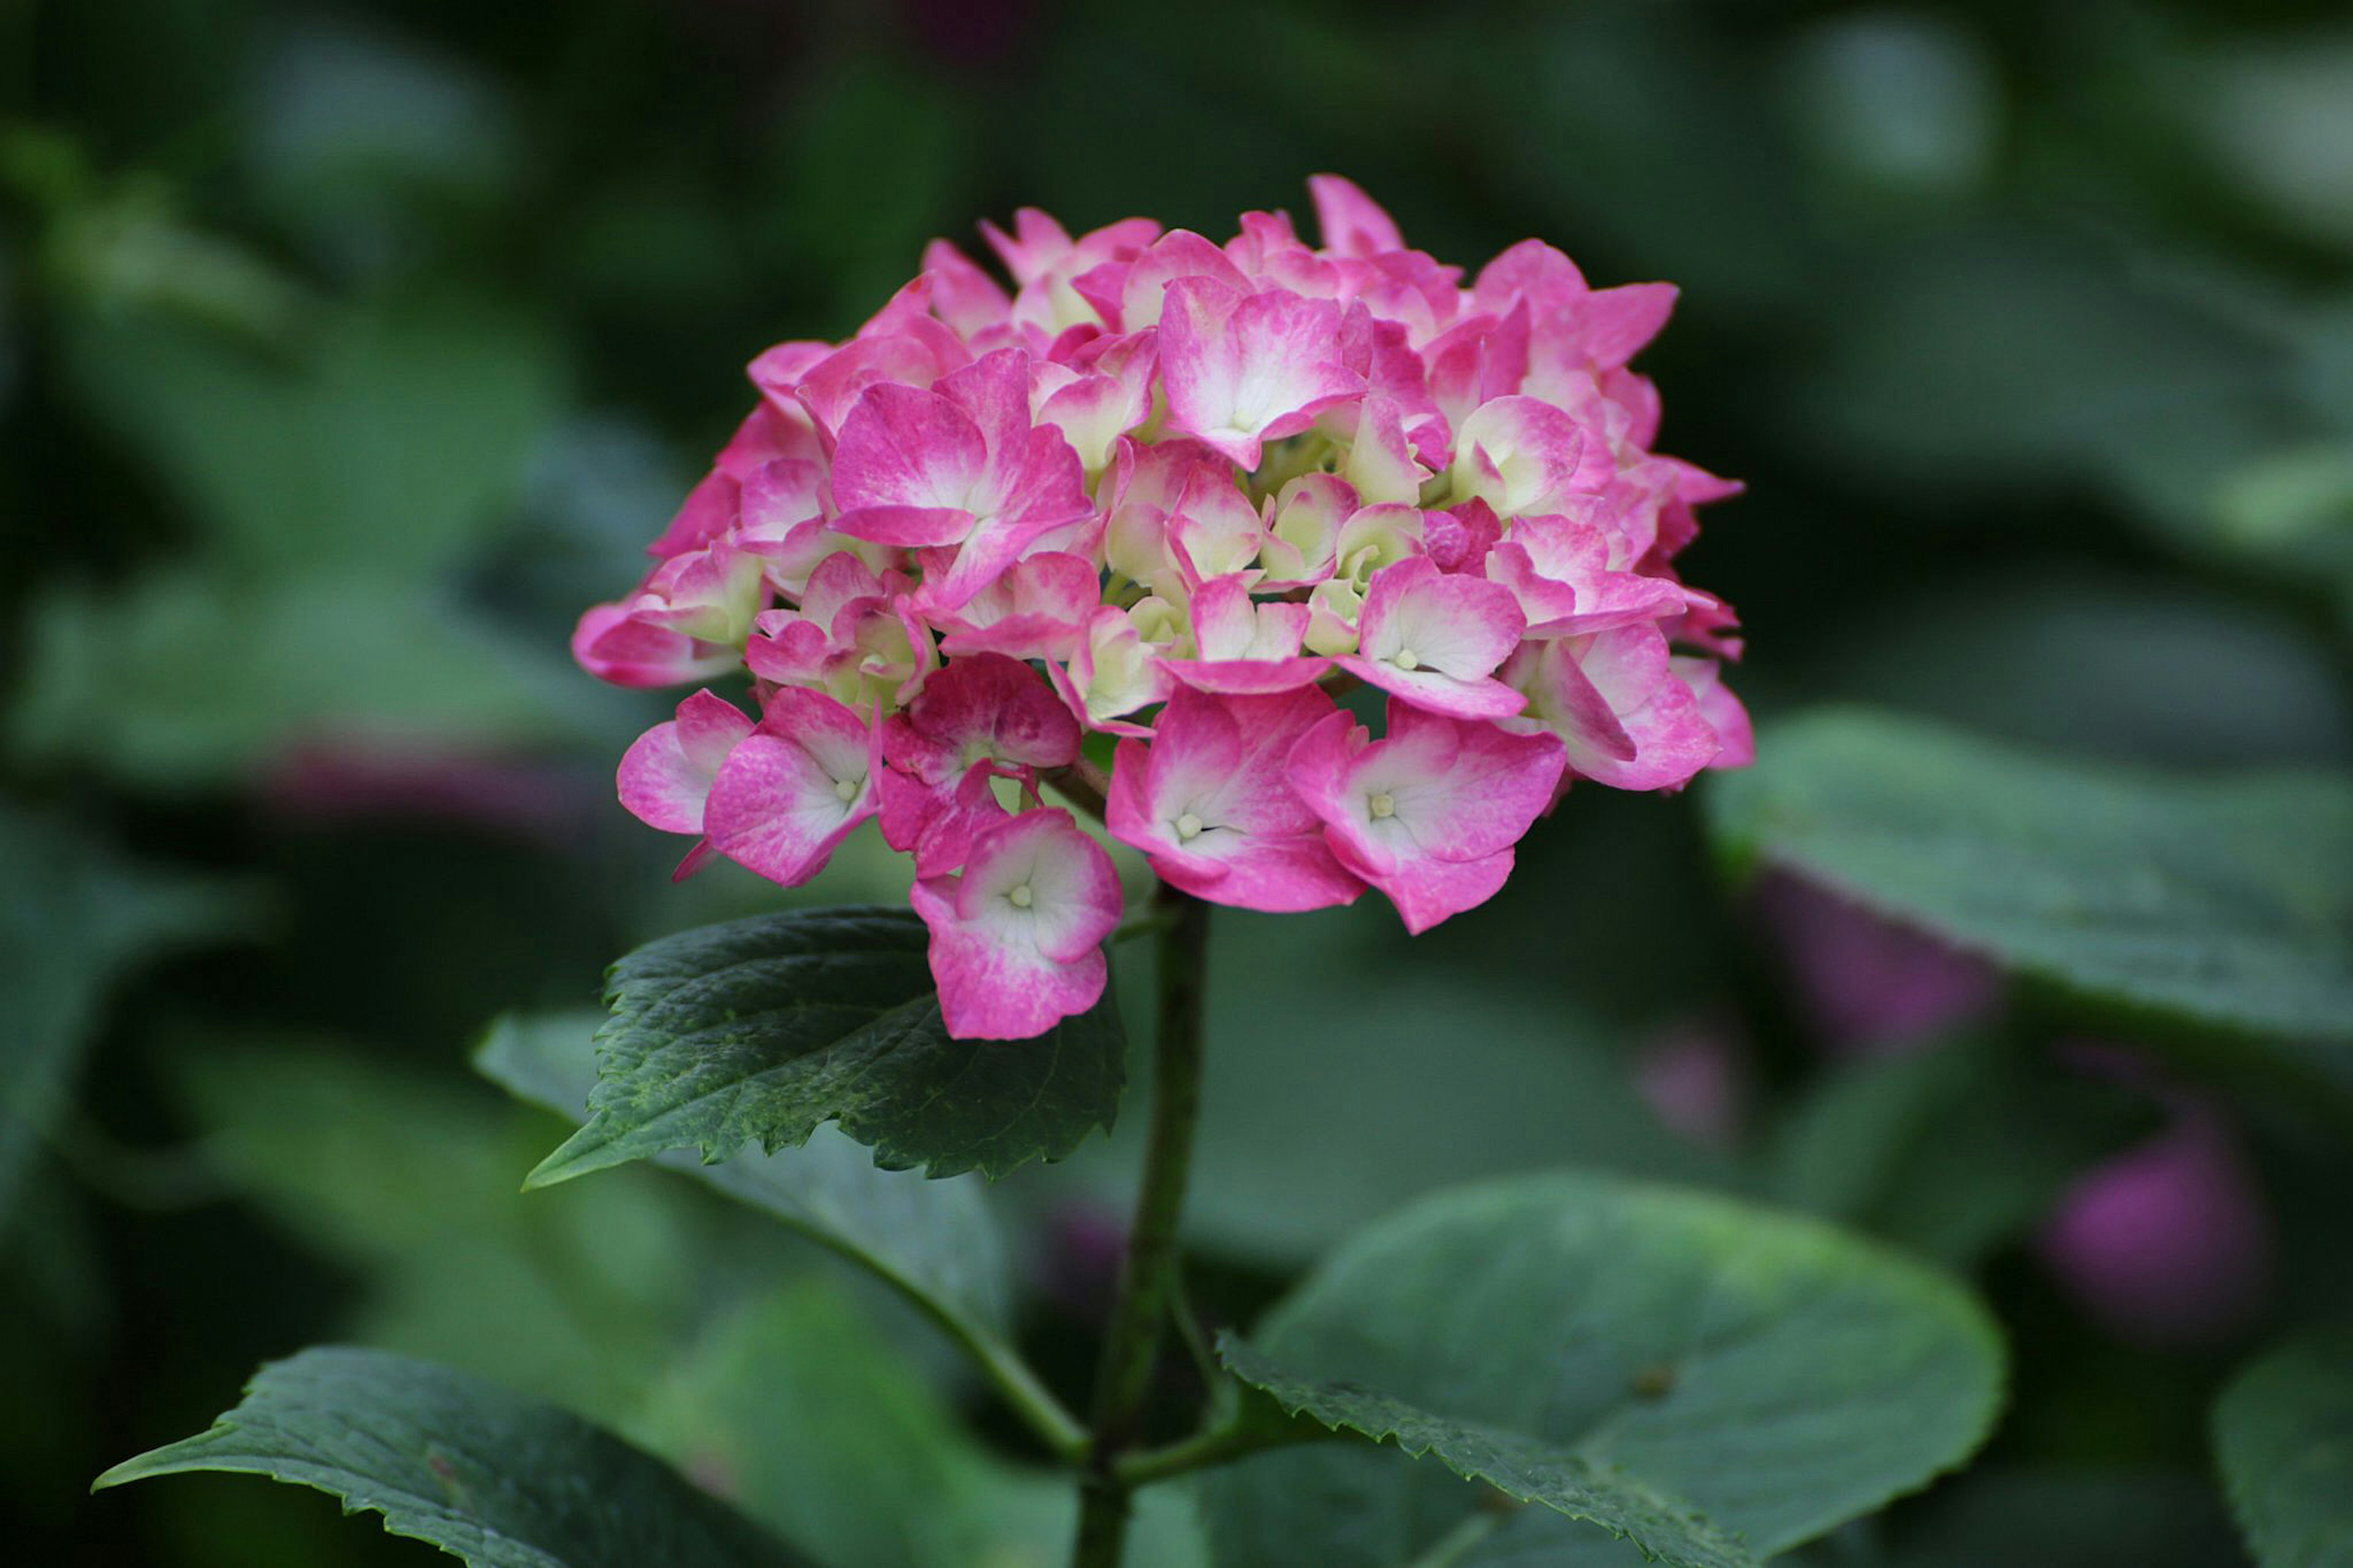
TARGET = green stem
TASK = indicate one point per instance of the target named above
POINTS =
(1018, 1387)
(1236, 1439)
(1148, 1276)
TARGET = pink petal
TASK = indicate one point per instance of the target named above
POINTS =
(794, 788)
(665, 776)
(1428, 813)
(1210, 801)
(1239, 369)
(1351, 223)
(1434, 639)
(1017, 938)
(907, 449)
(1614, 698)
(612, 645)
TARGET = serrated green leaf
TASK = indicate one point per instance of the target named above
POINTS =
(73, 918)
(2225, 901)
(762, 1029)
(2284, 1435)
(939, 1240)
(1521, 1469)
(490, 1477)
(1777, 1374)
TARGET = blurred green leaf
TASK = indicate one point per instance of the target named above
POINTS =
(796, 1411)
(1778, 1374)
(2284, 1435)
(410, 1179)
(1950, 1150)
(495, 1479)
(2222, 900)
(1299, 1005)
(186, 678)
(1523, 1470)
(74, 919)
(937, 1239)
(764, 1028)
(360, 142)
(2136, 667)
(385, 451)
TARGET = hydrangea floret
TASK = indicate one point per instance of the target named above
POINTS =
(1185, 496)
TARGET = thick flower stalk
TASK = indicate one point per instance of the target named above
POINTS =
(1183, 495)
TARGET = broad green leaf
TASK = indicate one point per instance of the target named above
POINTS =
(2283, 1434)
(191, 676)
(764, 1028)
(493, 1478)
(385, 447)
(938, 1240)
(73, 919)
(1776, 1374)
(1949, 1149)
(1523, 1470)
(2223, 901)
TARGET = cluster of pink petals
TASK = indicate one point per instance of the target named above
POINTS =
(1182, 494)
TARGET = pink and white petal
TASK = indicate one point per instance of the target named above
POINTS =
(991, 705)
(1433, 891)
(1524, 457)
(966, 298)
(701, 853)
(1239, 369)
(1179, 253)
(1248, 677)
(613, 646)
(1460, 626)
(906, 447)
(906, 527)
(1613, 324)
(1216, 808)
(665, 775)
(1657, 715)
(829, 392)
(957, 816)
(711, 508)
(777, 498)
(1351, 223)
(1724, 713)
(1463, 791)
(1381, 463)
(777, 806)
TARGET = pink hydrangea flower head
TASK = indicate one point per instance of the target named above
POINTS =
(1182, 492)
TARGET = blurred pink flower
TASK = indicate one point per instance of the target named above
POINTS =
(1867, 985)
(2169, 1244)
